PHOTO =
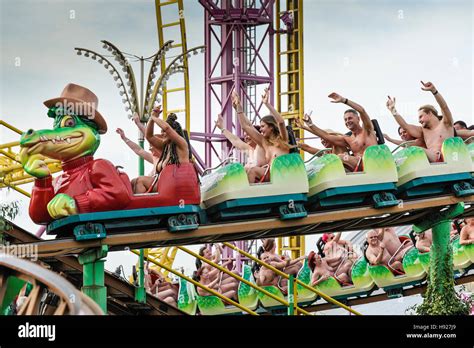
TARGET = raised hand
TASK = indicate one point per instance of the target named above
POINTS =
(265, 96)
(236, 101)
(336, 98)
(307, 119)
(136, 118)
(156, 111)
(391, 103)
(220, 122)
(298, 123)
(120, 132)
(428, 86)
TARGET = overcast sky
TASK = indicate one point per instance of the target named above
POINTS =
(363, 50)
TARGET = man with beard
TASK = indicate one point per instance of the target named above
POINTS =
(361, 137)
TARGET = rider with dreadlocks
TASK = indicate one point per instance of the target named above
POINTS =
(172, 143)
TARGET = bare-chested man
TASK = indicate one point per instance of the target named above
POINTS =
(434, 128)
(389, 238)
(467, 232)
(424, 241)
(361, 136)
(377, 253)
(255, 154)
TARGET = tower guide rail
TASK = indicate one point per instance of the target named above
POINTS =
(407, 212)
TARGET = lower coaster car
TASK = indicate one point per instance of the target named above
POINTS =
(330, 185)
(363, 282)
(303, 294)
(463, 255)
(414, 272)
(470, 147)
(213, 305)
(227, 194)
(175, 206)
(462, 259)
(418, 177)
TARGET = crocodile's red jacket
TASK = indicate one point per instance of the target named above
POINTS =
(95, 185)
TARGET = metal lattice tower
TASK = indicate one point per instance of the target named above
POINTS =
(239, 55)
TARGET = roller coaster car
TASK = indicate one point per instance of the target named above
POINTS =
(227, 194)
(330, 185)
(384, 278)
(304, 295)
(418, 177)
(189, 301)
(470, 146)
(463, 255)
(363, 283)
(175, 205)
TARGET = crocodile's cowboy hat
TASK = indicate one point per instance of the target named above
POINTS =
(80, 101)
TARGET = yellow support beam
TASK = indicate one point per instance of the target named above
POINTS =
(163, 36)
(292, 55)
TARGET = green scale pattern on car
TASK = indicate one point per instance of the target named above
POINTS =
(411, 265)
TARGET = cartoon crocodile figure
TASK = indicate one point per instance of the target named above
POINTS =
(86, 184)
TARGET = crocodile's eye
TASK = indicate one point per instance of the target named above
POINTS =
(68, 121)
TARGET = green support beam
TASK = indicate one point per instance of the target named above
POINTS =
(440, 297)
(93, 275)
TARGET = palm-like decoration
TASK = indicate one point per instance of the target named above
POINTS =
(127, 84)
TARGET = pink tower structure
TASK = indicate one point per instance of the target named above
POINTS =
(239, 55)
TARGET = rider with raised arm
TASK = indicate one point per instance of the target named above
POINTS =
(273, 135)
(255, 153)
(434, 128)
(389, 238)
(336, 150)
(361, 136)
(172, 144)
(153, 156)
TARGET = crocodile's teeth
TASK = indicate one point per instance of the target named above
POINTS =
(68, 140)
(53, 141)
(58, 138)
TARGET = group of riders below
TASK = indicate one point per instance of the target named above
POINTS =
(335, 259)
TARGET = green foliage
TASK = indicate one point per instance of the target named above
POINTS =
(440, 297)
(9, 210)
